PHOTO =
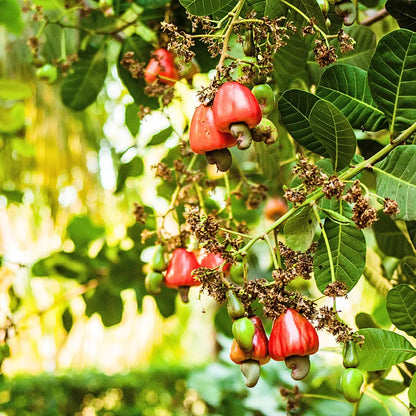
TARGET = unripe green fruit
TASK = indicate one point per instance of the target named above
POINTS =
(48, 73)
(350, 356)
(153, 282)
(351, 381)
(265, 96)
(249, 48)
(158, 262)
(237, 273)
(243, 331)
(265, 132)
(235, 308)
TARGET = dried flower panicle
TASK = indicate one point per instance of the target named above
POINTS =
(324, 54)
(295, 196)
(309, 29)
(212, 283)
(140, 213)
(310, 174)
(328, 319)
(293, 397)
(363, 214)
(391, 207)
(179, 42)
(163, 171)
(256, 195)
(346, 42)
(336, 289)
(135, 67)
(333, 188)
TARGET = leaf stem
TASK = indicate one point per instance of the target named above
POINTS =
(227, 35)
(327, 245)
(272, 252)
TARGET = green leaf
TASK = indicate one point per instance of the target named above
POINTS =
(11, 16)
(346, 87)
(412, 391)
(390, 240)
(389, 387)
(401, 306)
(11, 89)
(68, 265)
(49, 4)
(311, 9)
(407, 270)
(395, 179)
(348, 251)
(12, 119)
(411, 229)
(132, 119)
(274, 8)
(142, 50)
(382, 349)
(204, 7)
(147, 4)
(336, 216)
(160, 137)
(12, 195)
(294, 55)
(404, 12)
(165, 301)
(391, 78)
(334, 132)
(268, 159)
(82, 231)
(133, 168)
(295, 107)
(364, 320)
(81, 87)
(299, 230)
(67, 319)
(107, 304)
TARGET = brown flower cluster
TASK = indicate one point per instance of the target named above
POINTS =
(212, 283)
(391, 207)
(329, 320)
(180, 42)
(256, 195)
(139, 213)
(204, 228)
(363, 214)
(309, 29)
(346, 42)
(324, 53)
(293, 397)
(163, 171)
(297, 263)
(336, 289)
(310, 175)
(333, 188)
(135, 67)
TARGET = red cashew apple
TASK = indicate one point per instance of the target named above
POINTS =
(160, 66)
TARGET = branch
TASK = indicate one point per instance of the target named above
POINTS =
(380, 15)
